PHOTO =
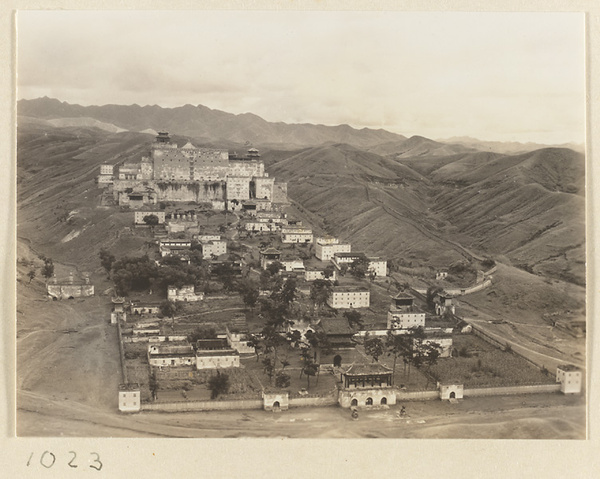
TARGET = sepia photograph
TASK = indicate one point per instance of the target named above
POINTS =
(300, 224)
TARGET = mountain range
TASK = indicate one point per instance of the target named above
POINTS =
(413, 200)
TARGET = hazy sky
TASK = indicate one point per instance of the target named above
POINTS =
(496, 76)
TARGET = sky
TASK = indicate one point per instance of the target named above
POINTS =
(492, 76)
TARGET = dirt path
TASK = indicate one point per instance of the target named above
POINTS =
(535, 416)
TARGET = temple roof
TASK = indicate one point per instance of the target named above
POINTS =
(367, 369)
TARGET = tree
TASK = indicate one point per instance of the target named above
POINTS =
(398, 345)
(224, 273)
(274, 267)
(250, 294)
(256, 341)
(287, 295)
(202, 332)
(272, 341)
(218, 384)
(343, 269)
(328, 271)
(374, 347)
(282, 380)
(309, 367)
(48, 268)
(151, 220)
(169, 309)
(134, 274)
(106, 260)
(295, 338)
(153, 384)
(31, 274)
(432, 291)
(320, 292)
(354, 318)
(359, 267)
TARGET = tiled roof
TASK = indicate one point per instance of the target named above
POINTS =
(367, 369)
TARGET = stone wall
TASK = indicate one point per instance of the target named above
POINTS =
(508, 390)
(315, 400)
(215, 405)
(65, 291)
(417, 395)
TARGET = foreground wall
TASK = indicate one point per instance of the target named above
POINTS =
(508, 390)
(184, 406)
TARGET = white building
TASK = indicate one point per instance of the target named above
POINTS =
(140, 215)
(268, 256)
(296, 265)
(403, 314)
(171, 246)
(215, 353)
(216, 248)
(205, 238)
(129, 397)
(313, 274)
(443, 303)
(239, 341)
(106, 175)
(444, 344)
(378, 266)
(327, 246)
(186, 293)
(260, 226)
(118, 312)
(343, 297)
(570, 378)
(160, 355)
(296, 235)
(346, 258)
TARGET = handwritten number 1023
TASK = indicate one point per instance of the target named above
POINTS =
(48, 459)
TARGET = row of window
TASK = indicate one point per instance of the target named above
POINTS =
(368, 402)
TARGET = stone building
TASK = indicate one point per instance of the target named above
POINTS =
(129, 397)
(311, 274)
(344, 297)
(70, 288)
(186, 293)
(367, 386)
(166, 355)
(403, 314)
(570, 378)
(443, 303)
(238, 339)
(293, 266)
(199, 175)
(268, 256)
(213, 248)
(139, 216)
(443, 342)
(216, 353)
(449, 390)
(168, 247)
(326, 247)
(296, 235)
(377, 266)
(118, 311)
(105, 177)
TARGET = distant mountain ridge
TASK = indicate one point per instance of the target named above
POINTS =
(203, 122)
(506, 147)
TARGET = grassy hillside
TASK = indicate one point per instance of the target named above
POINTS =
(528, 207)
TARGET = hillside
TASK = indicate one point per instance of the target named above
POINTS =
(529, 207)
(526, 208)
(202, 122)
